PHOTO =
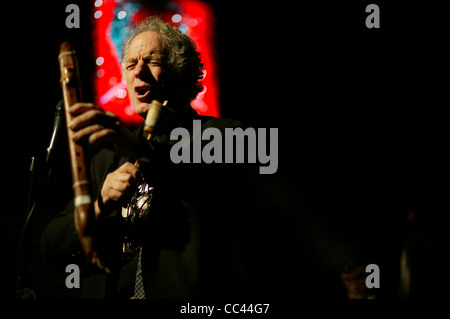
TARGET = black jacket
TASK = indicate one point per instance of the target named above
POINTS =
(192, 241)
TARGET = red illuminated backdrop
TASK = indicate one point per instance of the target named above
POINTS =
(113, 18)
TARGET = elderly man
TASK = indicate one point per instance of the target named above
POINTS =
(163, 230)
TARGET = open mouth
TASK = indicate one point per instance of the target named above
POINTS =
(142, 92)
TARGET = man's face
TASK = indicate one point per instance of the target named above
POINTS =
(355, 282)
(144, 70)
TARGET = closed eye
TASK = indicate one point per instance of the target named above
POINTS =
(152, 62)
(130, 66)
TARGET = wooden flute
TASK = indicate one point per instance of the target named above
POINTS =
(84, 211)
(153, 115)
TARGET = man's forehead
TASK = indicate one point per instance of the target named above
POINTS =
(145, 43)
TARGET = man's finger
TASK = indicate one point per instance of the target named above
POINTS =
(86, 133)
(129, 168)
(93, 116)
(78, 108)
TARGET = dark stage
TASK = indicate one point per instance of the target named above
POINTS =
(360, 119)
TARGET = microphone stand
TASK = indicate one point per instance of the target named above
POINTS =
(23, 254)
(42, 178)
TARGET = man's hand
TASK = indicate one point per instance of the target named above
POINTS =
(118, 188)
(92, 124)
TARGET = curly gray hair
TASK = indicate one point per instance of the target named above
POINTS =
(181, 58)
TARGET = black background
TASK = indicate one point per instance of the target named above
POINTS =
(359, 111)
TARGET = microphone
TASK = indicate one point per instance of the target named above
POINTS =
(57, 124)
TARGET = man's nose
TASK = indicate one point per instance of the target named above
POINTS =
(141, 70)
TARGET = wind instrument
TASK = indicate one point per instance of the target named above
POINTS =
(84, 211)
